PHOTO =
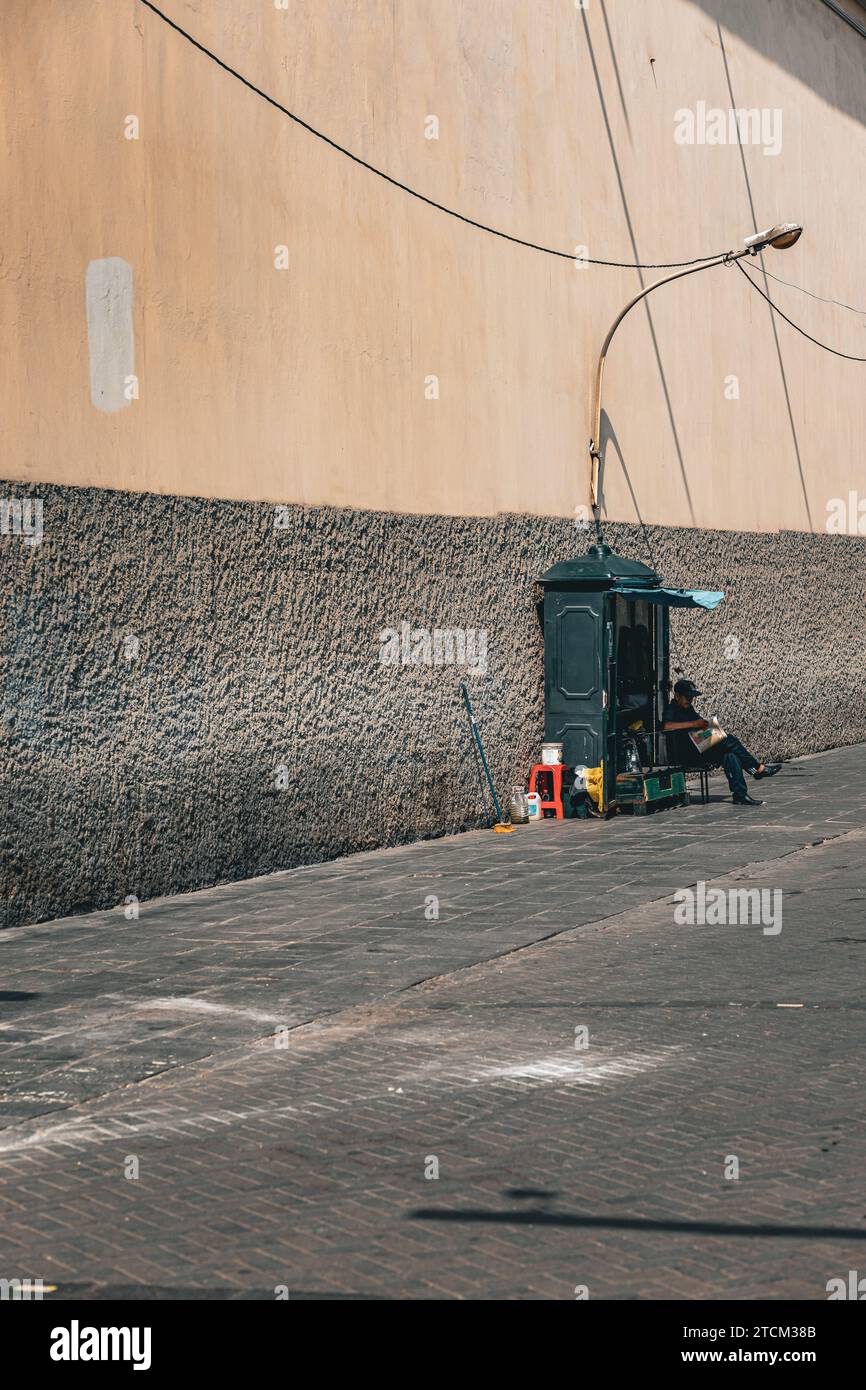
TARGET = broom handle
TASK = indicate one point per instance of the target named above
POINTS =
(480, 746)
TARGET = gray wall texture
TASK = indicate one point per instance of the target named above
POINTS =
(152, 768)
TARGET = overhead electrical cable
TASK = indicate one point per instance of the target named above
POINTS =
(413, 192)
(776, 310)
(469, 221)
(840, 304)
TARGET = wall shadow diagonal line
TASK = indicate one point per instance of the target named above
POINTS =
(633, 242)
(773, 324)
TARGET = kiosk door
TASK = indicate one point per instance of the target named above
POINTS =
(575, 700)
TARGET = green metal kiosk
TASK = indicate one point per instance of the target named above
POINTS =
(607, 673)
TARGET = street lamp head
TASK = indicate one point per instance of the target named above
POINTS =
(780, 237)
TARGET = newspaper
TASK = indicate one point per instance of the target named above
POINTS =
(705, 739)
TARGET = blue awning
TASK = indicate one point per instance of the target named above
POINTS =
(673, 598)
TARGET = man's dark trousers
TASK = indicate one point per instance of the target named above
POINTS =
(733, 757)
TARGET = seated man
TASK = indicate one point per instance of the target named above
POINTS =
(680, 716)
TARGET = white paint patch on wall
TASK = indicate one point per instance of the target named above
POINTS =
(108, 285)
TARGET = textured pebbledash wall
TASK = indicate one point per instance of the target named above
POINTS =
(163, 657)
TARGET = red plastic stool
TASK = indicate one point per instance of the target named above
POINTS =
(554, 801)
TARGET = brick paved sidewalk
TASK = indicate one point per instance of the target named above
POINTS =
(416, 1041)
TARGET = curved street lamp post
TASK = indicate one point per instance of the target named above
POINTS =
(780, 237)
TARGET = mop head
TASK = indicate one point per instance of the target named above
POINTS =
(503, 827)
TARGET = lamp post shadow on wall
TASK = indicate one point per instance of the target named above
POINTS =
(780, 237)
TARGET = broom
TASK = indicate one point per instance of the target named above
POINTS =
(502, 827)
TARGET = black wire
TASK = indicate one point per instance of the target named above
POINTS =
(776, 310)
(840, 304)
(440, 207)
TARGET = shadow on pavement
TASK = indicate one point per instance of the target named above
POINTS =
(536, 1217)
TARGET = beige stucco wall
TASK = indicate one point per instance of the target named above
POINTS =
(308, 384)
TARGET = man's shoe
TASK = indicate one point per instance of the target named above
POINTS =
(747, 801)
(770, 770)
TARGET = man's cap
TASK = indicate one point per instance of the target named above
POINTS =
(686, 688)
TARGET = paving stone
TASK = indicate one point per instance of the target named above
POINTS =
(455, 1039)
